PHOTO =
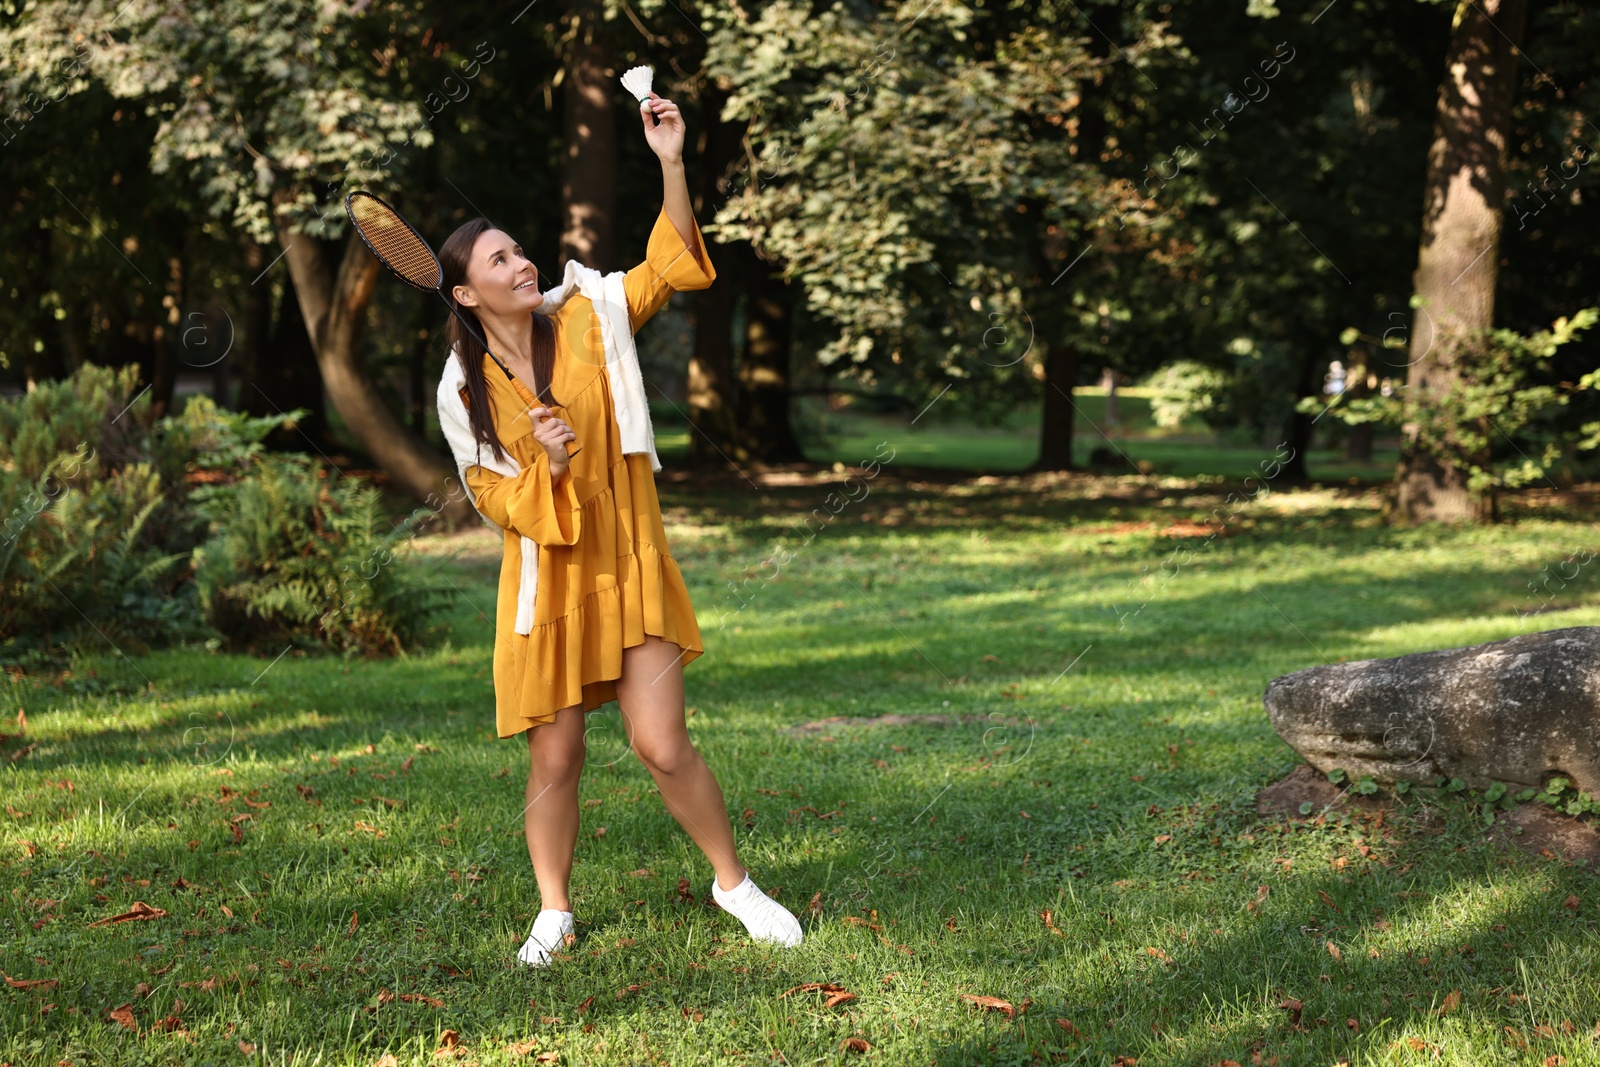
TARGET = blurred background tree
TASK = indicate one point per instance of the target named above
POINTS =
(959, 211)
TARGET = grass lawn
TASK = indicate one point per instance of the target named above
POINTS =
(338, 846)
(850, 434)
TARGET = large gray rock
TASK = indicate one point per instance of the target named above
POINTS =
(1514, 711)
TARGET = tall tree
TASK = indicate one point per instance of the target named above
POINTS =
(589, 156)
(274, 117)
(1459, 260)
(911, 167)
(766, 433)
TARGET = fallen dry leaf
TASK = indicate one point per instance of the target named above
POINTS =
(140, 910)
(1326, 899)
(1572, 903)
(123, 1014)
(354, 918)
(387, 1060)
(422, 998)
(855, 1044)
(1067, 1025)
(522, 1048)
(1333, 950)
(1452, 1001)
(247, 1047)
(30, 983)
(1292, 1006)
(547, 1057)
(1050, 923)
(836, 994)
(991, 1004)
(449, 1041)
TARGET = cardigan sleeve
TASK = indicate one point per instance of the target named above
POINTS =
(543, 510)
(669, 266)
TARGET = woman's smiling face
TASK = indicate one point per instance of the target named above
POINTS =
(500, 279)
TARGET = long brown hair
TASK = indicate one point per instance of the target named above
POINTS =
(454, 255)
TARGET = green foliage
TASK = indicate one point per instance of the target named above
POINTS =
(297, 558)
(917, 176)
(1562, 795)
(103, 511)
(1185, 389)
(93, 538)
(1500, 417)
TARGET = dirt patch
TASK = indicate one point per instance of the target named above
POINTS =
(1549, 833)
(1307, 784)
(1545, 831)
(838, 722)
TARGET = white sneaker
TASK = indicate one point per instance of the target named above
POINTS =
(549, 933)
(763, 917)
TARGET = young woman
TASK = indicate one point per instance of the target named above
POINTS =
(612, 618)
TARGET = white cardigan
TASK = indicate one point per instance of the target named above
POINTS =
(627, 395)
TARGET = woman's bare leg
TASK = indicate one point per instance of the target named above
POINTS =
(550, 818)
(650, 694)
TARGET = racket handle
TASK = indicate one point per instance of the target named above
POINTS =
(533, 402)
(573, 447)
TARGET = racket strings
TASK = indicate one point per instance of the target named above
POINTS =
(396, 243)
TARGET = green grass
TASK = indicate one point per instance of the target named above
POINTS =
(850, 435)
(1108, 778)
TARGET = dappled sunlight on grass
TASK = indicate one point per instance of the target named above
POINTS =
(1069, 826)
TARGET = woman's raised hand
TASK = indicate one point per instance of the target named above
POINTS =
(666, 140)
(553, 434)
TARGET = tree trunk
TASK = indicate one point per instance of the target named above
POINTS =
(712, 399)
(335, 312)
(164, 341)
(711, 386)
(1459, 258)
(763, 401)
(282, 373)
(589, 177)
(1299, 426)
(1358, 368)
(1055, 429)
(46, 364)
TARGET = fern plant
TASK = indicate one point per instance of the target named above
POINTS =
(297, 557)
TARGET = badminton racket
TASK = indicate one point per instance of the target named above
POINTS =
(399, 247)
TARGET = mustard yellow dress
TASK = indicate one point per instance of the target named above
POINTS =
(606, 575)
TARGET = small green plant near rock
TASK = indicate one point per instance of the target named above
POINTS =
(1560, 793)
(1497, 797)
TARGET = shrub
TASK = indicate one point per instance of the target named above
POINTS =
(298, 558)
(118, 527)
(93, 545)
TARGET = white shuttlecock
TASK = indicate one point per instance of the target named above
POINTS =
(637, 81)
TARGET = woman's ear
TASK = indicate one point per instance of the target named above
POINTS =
(464, 296)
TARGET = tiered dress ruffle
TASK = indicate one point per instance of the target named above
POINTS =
(606, 574)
